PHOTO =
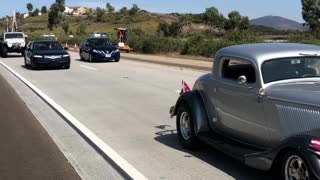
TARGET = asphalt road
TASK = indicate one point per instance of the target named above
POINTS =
(126, 104)
(27, 151)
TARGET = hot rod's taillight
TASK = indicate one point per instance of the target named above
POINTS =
(314, 145)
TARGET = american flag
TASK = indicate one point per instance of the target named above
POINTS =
(185, 87)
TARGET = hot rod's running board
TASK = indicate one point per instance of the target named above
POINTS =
(235, 149)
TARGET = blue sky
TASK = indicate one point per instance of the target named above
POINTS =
(252, 8)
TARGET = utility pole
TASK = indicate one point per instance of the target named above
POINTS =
(7, 21)
(14, 22)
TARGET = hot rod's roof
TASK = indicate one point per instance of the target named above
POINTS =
(258, 53)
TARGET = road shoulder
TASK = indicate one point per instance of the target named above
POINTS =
(27, 150)
(87, 162)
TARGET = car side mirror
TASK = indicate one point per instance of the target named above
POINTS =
(242, 79)
(66, 48)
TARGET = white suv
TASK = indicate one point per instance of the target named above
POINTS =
(12, 42)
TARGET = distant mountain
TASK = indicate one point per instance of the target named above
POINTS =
(278, 22)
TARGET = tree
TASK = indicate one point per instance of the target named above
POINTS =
(311, 13)
(213, 17)
(110, 8)
(65, 26)
(134, 10)
(167, 29)
(44, 9)
(60, 4)
(236, 21)
(30, 8)
(124, 10)
(36, 12)
(54, 16)
(99, 14)
(175, 29)
(163, 28)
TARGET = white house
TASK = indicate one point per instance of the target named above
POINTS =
(68, 10)
(75, 11)
(26, 15)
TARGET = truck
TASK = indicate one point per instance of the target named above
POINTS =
(12, 42)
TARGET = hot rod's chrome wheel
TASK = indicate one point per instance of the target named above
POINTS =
(185, 126)
(296, 169)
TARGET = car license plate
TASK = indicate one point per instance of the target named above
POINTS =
(108, 55)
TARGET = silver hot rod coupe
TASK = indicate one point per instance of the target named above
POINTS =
(261, 105)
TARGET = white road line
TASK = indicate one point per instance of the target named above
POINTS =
(89, 67)
(106, 149)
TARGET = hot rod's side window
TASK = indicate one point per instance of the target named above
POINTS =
(234, 68)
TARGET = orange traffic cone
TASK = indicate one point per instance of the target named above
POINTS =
(76, 48)
(67, 46)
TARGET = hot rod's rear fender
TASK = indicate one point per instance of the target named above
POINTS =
(195, 103)
(271, 158)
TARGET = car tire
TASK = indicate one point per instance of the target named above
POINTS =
(295, 163)
(66, 67)
(90, 58)
(185, 127)
(117, 59)
(22, 54)
(32, 65)
(4, 52)
(81, 57)
(25, 62)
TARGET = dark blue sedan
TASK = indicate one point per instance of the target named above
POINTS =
(46, 53)
(99, 49)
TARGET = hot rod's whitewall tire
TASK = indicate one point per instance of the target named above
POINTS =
(295, 167)
(185, 127)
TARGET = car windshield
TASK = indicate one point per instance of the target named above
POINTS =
(290, 68)
(13, 35)
(47, 46)
(99, 42)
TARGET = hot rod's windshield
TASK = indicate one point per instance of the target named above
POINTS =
(290, 68)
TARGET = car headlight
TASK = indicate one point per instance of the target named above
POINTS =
(37, 56)
(95, 51)
(23, 44)
(66, 55)
(9, 44)
(117, 50)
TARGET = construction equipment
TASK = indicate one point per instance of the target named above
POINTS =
(122, 34)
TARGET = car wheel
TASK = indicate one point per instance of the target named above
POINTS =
(32, 65)
(66, 67)
(185, 127)
(295, 167)
(4, 52)
(90, 58)
(25, 62)
(81, 57)
(117, 59)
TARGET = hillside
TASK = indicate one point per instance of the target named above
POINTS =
(38, 25)
(277, 22)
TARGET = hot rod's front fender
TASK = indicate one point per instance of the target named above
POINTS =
(195, 103)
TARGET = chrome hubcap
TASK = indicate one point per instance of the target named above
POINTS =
(185, 128)
(296, 169)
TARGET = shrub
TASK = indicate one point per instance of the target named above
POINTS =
(201, 45)
(151, 44)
